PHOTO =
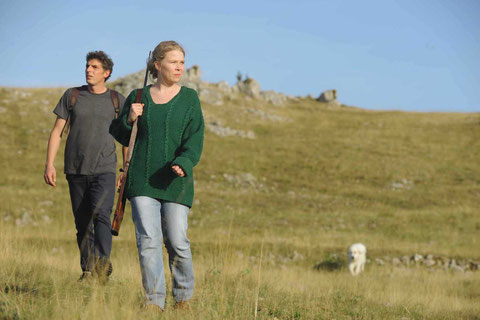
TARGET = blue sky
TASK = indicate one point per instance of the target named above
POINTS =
(403, 55)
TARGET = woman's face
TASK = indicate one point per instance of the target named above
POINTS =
(171, 68)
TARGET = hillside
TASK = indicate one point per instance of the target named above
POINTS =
(282, 189)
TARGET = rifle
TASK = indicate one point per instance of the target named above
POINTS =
(122, 200)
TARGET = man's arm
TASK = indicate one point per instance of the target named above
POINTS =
(50, 174)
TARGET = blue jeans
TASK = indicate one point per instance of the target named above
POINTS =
(156, 219)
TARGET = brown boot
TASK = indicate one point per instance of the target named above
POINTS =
(182, 305)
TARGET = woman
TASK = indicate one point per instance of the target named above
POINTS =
(160, 177)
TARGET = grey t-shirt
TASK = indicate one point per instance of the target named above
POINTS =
(90, 149)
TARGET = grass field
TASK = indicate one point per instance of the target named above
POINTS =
(268, 210)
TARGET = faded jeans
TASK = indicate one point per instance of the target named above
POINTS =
(156, 219)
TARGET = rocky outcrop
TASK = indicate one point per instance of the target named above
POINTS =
(249, 87)
(217, 93)
(430, 261)
(210, 93)
(330, 97)
(192, 78)
(217, 127)
(130, 82)
(274, 97)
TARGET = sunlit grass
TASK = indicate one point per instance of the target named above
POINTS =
(401, 183)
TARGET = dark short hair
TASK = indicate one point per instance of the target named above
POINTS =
(101, 56)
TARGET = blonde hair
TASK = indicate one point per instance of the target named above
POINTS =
(159, 53)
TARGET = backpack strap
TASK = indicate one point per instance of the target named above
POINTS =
(114, 96)
(73, 100)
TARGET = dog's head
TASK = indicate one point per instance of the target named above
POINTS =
(356, 251)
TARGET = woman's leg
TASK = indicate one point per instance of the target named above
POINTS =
(174, 225)
(148, 230)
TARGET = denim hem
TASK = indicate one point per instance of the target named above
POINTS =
(156, 299)
(182, 294)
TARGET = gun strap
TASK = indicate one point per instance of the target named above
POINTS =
(133, 134)
(138, 98)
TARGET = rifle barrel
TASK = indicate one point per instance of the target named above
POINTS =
(120, 209)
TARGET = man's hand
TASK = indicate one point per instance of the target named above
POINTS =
(178, 171)
(50, 175)
(136, 110)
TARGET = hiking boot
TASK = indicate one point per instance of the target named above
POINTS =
(86, 276)
(103, 269)
(182, 305)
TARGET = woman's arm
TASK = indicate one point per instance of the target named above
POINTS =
(192, 141)
(120, 129)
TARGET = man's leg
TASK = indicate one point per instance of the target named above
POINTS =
(175, 224)
(80, 199)
(148, 231)
(102, 194)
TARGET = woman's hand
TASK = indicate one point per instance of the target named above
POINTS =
(136, 110)
(178, 171)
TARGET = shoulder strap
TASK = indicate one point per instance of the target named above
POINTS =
(73, 97)
(114, 96)
(73, 100)
(138, 97)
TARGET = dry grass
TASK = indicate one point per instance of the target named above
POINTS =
(38, 273)
(324, 178)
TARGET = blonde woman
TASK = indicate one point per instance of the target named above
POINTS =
(160, 177)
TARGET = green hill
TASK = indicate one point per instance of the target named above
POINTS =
(280, 192)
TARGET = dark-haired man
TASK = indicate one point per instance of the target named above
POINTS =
(90, 162)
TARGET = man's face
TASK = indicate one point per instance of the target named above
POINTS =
(94, 72)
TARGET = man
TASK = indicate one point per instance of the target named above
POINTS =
(90, 162)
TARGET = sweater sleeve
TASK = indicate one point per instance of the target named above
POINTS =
(192, 140)
(119, 128)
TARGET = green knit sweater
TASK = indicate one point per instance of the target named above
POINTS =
(168, 134)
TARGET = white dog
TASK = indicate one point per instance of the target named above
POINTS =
(357, 256)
